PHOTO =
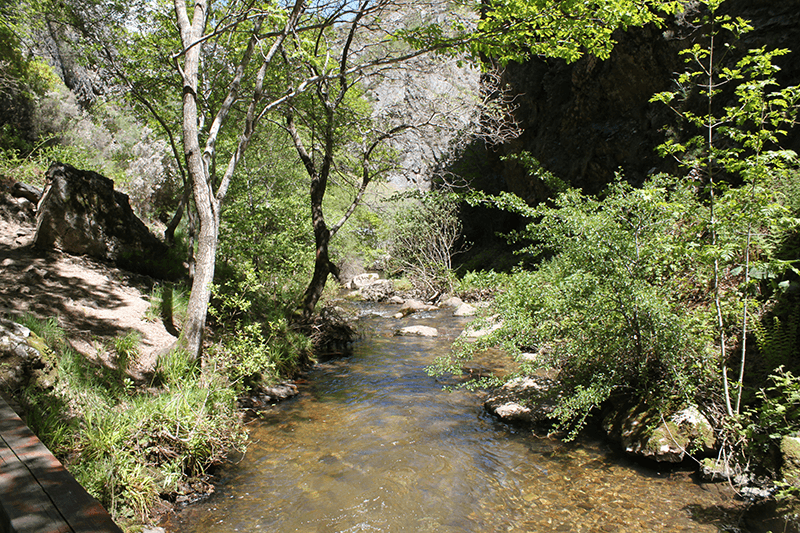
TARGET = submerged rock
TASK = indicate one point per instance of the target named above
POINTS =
(268, 395)
(716, 469)
(528, 400)
(417, 331)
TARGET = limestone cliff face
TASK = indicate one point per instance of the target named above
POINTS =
(435, 96)
(586, 120)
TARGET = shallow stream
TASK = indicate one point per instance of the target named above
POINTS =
(372, 443)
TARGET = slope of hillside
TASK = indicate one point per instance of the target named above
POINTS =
(94, 302)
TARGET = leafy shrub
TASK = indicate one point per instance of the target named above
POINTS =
(481, 285)
(779, 412)
(362, 242)
(775, 416)
(106, 139)
(23, 80)
(256, 343)
(601, 307)
(266, 227)
(425, 234)
(257, 354)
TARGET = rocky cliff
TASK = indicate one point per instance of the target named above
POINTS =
(586, 120)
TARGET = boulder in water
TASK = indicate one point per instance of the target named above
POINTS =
(645, 432)
(527, 400)
(465, 310)
(378, 291)
(453, 301)
(362, 280)
(413, 306)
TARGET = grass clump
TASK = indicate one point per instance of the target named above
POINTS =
(126, 348)
(47, 329)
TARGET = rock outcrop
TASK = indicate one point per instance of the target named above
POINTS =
(434, 93)
(81, 213)
(586, 120)
(29, 192)
(790, 452)
(14, 205)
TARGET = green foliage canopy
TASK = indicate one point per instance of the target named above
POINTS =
(513, 30)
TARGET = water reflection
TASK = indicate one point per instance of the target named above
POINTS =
(373, 444)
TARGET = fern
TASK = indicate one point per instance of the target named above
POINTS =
(776, 338)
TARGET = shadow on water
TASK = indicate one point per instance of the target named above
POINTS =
(372, 443)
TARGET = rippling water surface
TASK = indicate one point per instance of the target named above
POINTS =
(374, 444)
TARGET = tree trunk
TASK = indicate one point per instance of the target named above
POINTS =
(322, 235)
(322, 263)
(205, 259)
(169, 232)
(192, 334)
(207, 209)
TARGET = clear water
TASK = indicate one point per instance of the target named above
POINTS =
(373, 444)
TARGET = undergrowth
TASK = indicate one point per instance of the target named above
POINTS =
(256, 345)
(129, 446)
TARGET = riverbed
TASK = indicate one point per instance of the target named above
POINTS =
(373, 443)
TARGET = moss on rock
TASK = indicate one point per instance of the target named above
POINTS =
(790, 451)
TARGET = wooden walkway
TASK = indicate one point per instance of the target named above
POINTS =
(37, 494)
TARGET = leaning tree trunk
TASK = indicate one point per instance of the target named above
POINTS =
(322, 238)
(322, 235)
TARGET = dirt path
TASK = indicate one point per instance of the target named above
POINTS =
(93, 301)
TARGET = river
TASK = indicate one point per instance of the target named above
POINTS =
(372, 443)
